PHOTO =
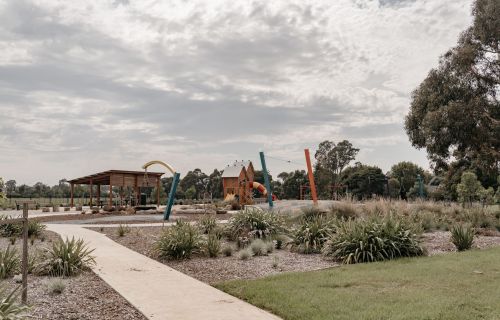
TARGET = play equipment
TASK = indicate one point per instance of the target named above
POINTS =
(173, 189)
(258, 186)
(266, 179)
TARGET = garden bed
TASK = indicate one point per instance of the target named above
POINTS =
(84, 297)
(214, 270)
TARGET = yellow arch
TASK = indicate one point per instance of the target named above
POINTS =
(166, 165)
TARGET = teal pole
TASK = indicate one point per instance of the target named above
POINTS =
(171, 196)
(420, 186)
(266, 180)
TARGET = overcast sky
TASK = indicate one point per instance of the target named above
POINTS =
(87, 86)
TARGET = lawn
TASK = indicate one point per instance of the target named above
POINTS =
(450, 286)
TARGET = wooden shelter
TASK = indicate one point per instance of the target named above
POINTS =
(118, 178)
(236, 181)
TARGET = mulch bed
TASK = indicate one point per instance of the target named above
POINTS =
(85, 297)
(214, 270)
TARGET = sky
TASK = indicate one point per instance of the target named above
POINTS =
(88, 86)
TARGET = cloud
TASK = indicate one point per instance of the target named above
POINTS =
(91, 85)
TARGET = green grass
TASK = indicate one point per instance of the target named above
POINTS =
(454, 286)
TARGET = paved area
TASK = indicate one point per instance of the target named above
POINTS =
(155, 289)
(295, 205)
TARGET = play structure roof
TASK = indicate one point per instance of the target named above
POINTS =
(105, 176)
(234, 170)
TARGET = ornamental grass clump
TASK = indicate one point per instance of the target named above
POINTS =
(207, 223)
(122, 230)
(179, 241)
(67, 258)
(35, 228)
(10, 229)
(311, 234)
(462, 237)
(255, 223)
(10, 309)
(258, 247)
(375, 239)
(9, 262)
(213, 245)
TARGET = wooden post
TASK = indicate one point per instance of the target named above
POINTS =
(91, 193)
(24, 295)
(98, 195)
(158, 191)
(311, 177)
(72, 194)
(110, 194)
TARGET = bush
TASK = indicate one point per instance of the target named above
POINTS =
(10, 229)
(179, 241)
(281, 240)
(311, 212)
(207, 223)
(269, 247)
(122, 230)
(344, 210)
(477, 218)
(67, 258)
(9, 308)
(258, 247)
(9, 262)
(311, 234)
(35, 228)
(376, 239)
(56, 286)
(256, 223)
(244, 254)
(462, 237)
(227, 250)
(213, 245)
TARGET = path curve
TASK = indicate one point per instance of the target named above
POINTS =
(155, 289)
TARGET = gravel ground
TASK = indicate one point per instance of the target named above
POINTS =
(440, 242)
(214, 270)
(85, 297)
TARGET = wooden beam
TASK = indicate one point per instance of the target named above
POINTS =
(91, 192)
(110, 194)
(72, 195)
(158, 191)
(98, 195)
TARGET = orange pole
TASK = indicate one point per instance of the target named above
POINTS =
(311, 177)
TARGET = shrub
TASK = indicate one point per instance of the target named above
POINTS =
(311, 212)
(9, 308)
(179, 241)
(311, 234)
(10, 229)
(477, 218)
(207, 223)
(9, 262)
(244, 254)
(281, 240)
(227, 250)
(256, 223)
(213, 245)
(122, 230)
(67, 258)
(462, 237)
(376, 239)
(258, 247)
(56, 286)
(344, 210)
(35, 228)
(269, 246)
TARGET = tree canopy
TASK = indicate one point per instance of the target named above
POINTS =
(455, 112)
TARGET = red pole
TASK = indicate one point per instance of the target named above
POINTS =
(311, 177)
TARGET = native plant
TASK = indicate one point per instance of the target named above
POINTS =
(255, 223)
(179, 241)
(35, 228)
(67, 258)
(207, 223)
(9, 229)
(258, 247)
(310, 235)
(462, 237)
(213, 245)
(10, 309)
(9, 262)
(375, 239)
(122, 230)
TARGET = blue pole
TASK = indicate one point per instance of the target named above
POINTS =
(171, 196)
(266, 180)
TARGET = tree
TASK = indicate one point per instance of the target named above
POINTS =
(469, 188)
(406, 172)
(393, 187)
(335, 157)
(292, 183)
(215, 184)
(363, 181)
(196, 179)
(10, 188)
(487, 196)
(2, 194)
(455, 112)
(190, 192)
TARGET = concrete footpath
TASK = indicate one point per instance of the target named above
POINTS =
(155, 289)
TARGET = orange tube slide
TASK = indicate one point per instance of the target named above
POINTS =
(261, 188)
